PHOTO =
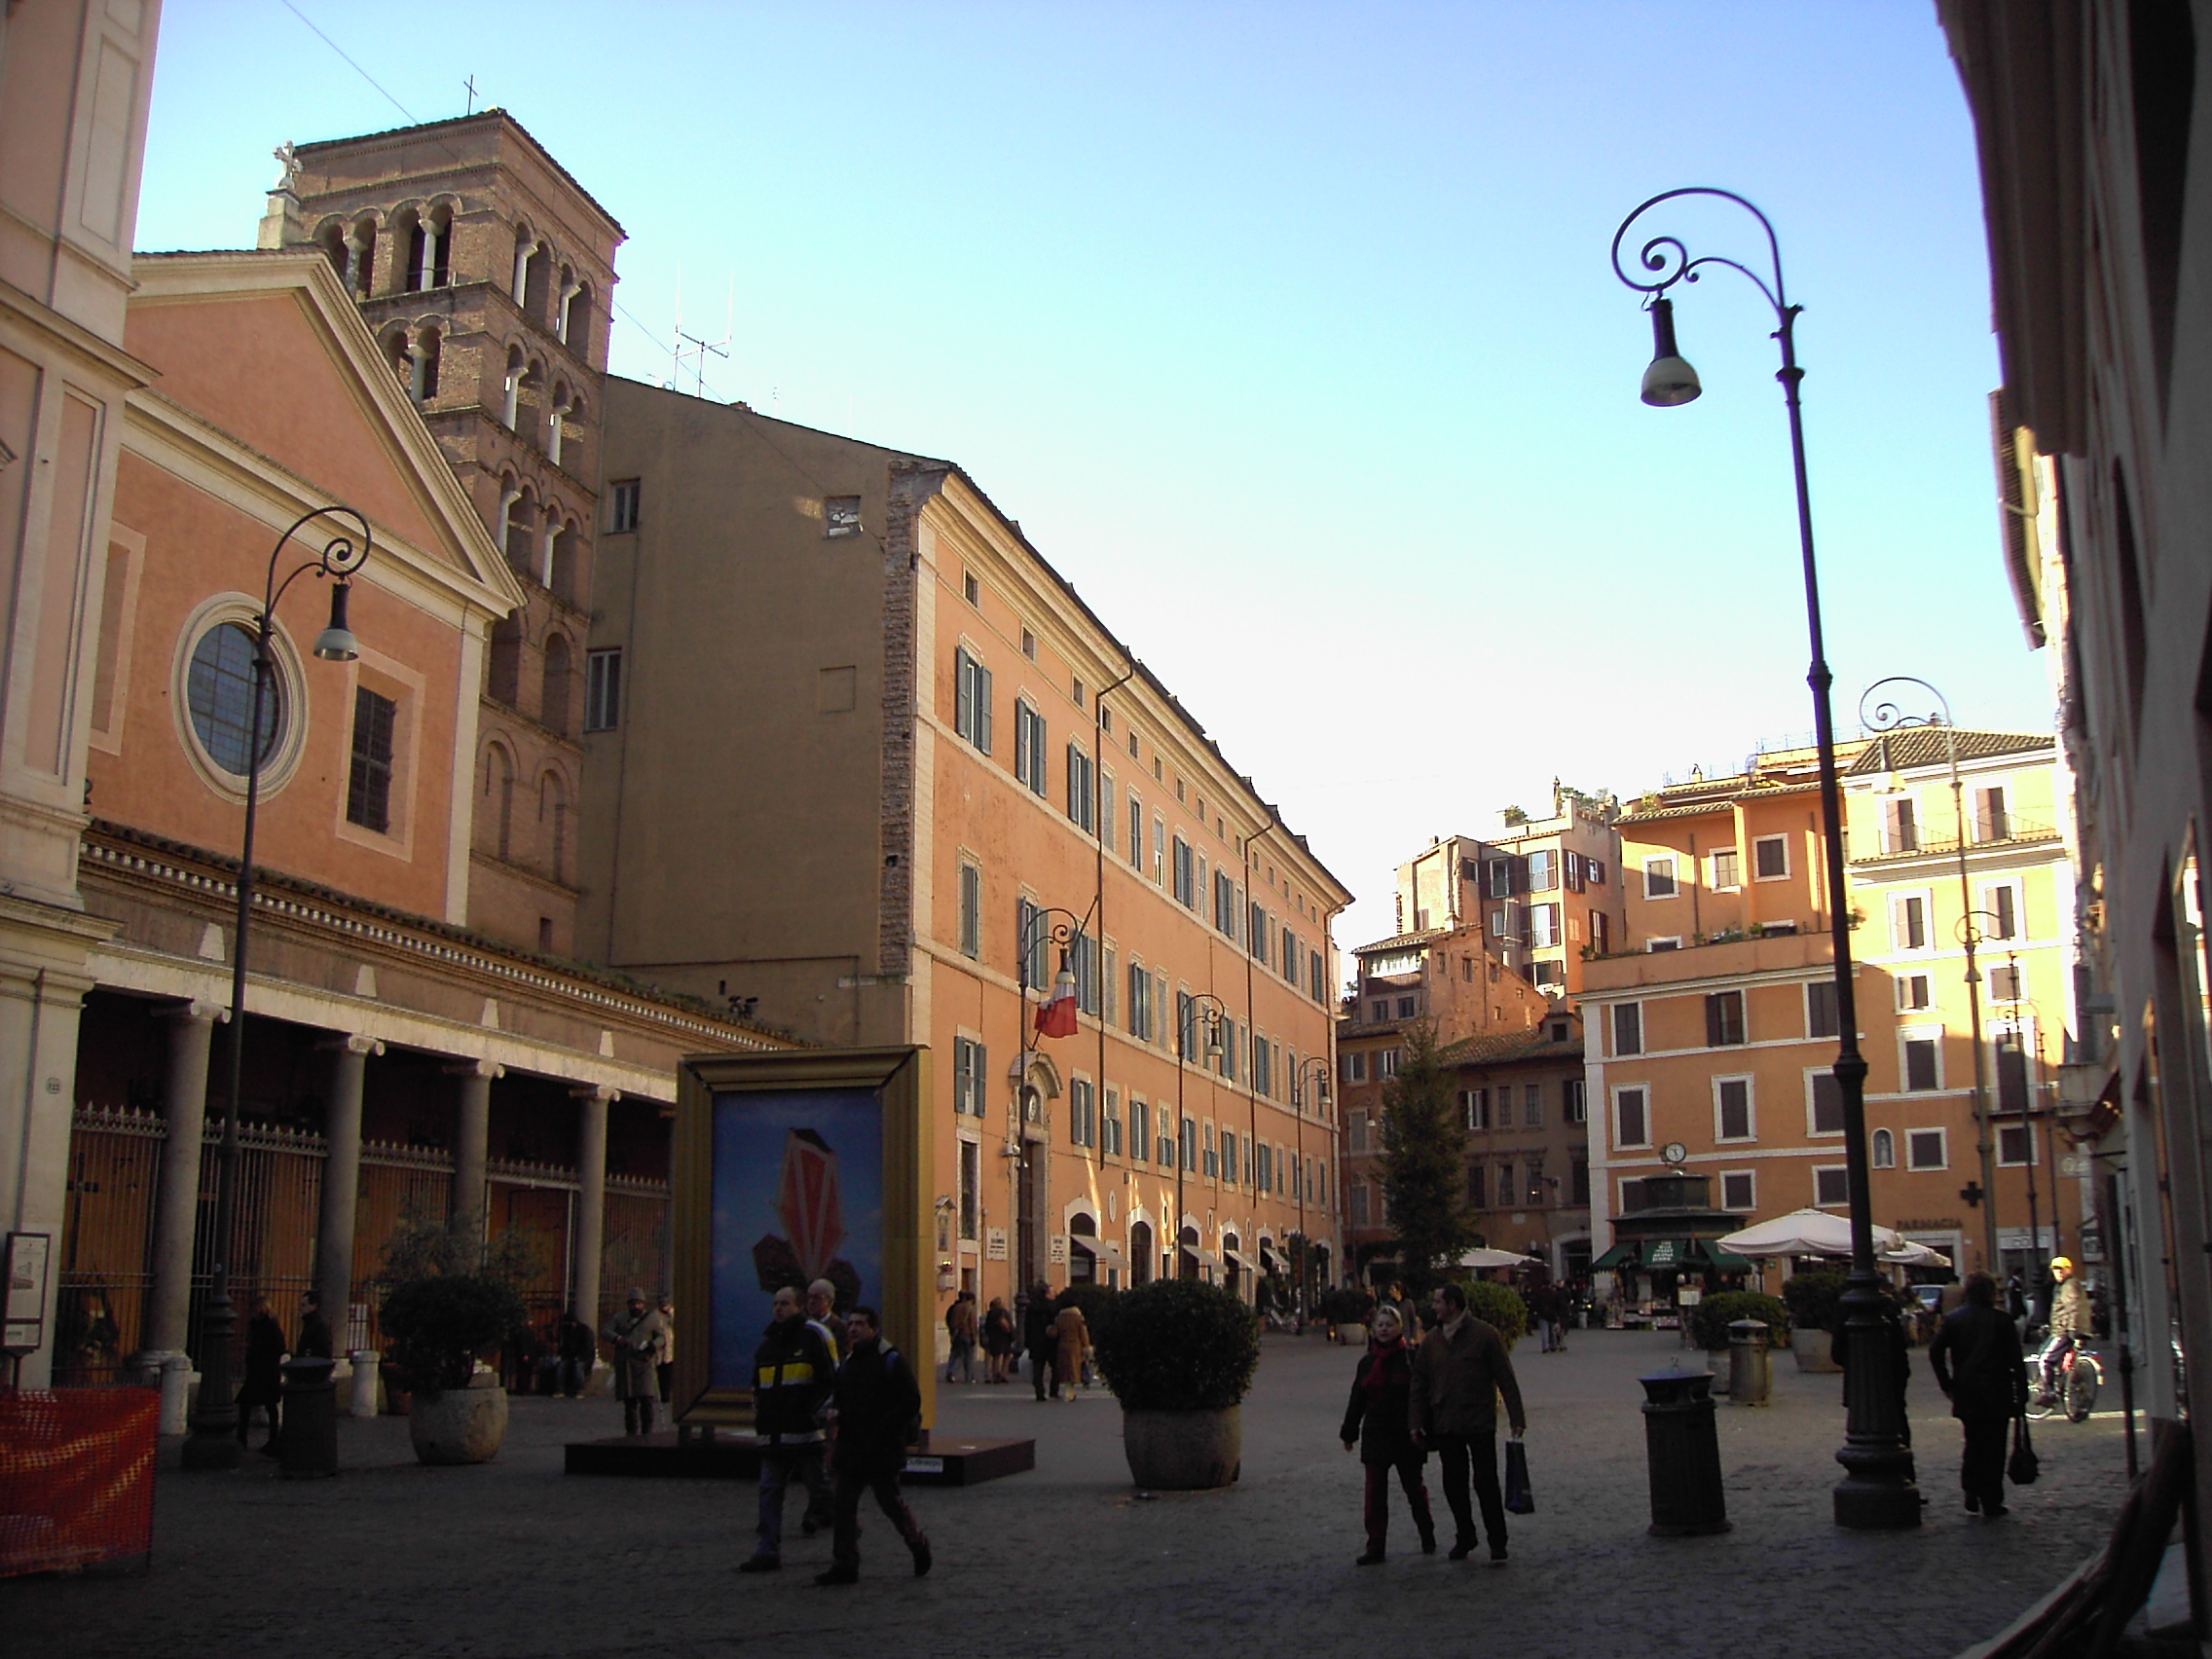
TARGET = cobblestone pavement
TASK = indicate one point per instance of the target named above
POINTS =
(513, 1558)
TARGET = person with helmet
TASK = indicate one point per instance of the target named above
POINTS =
(2069, 1323)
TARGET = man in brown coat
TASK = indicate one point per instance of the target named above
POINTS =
(1460, 1369)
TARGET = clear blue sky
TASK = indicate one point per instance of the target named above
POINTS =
(1289, 334)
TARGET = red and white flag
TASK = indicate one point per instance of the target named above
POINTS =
(1056, 1017)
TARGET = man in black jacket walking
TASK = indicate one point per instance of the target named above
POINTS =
(1978, 1361)
(878, 1407)
(792, 1374)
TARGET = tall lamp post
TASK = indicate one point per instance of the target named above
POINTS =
(1879, 712)
(213, 1442)
(1200, 1006)
(1877, 1490)
(1063, 928)
(1316, 1068)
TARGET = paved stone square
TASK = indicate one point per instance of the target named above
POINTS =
(514, 1558)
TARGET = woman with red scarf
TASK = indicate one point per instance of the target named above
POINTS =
(1377, 1422)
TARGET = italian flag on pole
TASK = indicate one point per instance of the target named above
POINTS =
(1056, 1018)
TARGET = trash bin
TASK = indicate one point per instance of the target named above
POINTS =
(1750, 1375)
(1684, 1450)
(309, 1443)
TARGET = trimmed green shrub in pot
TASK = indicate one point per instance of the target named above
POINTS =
(437, 1328)
(1715, 1313)
(1498, 1305)
(1814, 1298)
(1179, 1355)
(451, 1297)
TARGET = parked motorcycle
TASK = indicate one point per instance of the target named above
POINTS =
(2075, 1393)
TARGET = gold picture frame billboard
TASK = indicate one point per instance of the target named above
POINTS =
(790, 1167)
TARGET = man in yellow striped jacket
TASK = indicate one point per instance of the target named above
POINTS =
(793, 1373)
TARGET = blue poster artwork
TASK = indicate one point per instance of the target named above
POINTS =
(798, 1195)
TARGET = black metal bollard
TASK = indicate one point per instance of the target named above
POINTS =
(1750, 1377)
(309, 1443)
(1684, 1450)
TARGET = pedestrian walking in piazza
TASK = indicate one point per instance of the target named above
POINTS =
(998, 1341)
(263, 1383)
(314, 1330)
(960, 1326)
(635, 1337)
(664, 1372)
(1071, 1348)
(1978, 1363)
(878, 1408)
(792, 1374)
(1039, 1337)
(822, 1315)
(579, 1352)
(1458, 1373)
(1379, 1420)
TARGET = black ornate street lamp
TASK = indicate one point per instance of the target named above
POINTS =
(1032, 932)
(1879, 712)
(1200, 1008)
(214, 1443)
(1877, 1490)
(1315, 1068)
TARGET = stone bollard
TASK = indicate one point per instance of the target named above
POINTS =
(1750, 1375)
(173, 1376)
(309, 1445)
(1683, 1451)
(363, 1399)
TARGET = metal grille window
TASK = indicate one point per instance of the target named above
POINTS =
(368, 787)
(603, 689)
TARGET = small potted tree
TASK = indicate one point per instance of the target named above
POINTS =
(1179, 1355)
(450, 1297)
(1813, 1299)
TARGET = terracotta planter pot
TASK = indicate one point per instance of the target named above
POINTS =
(1183, 1451)
(1812, 1350)
(461, 1425)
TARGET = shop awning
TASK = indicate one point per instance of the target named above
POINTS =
(1659, 1253)
(1106, 1255)
(1205, 1258)
(1269, 1254)
(1242, 1260)
(1621, 1255)
(1723, 1261)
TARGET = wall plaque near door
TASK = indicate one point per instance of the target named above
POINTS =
(23, 1276)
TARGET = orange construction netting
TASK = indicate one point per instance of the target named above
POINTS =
(76, 1477)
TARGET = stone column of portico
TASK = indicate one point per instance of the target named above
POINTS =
(176, 1200)
(471, 1141)
(591, 1196)
(341, 1181)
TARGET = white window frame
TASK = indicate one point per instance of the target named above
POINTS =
(1751, 1175)
(2004, 1163)
(1713, 869)
(1897, 903)
(1751, 1110)
(1813, 1075)
(1904, 983)
(1985, 898)
(1613, 1030)
(1841, 1170)
(1644, 1091)
(1666, 941)
(1672, 861)
(1882, 1149)
(1809, 986)
(1759, 842)
(1943, 1148)
(1919, 1034)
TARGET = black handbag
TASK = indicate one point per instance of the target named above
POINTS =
(2024, 1466)
(1519, 1498)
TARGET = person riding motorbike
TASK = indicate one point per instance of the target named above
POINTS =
(2069, 1323)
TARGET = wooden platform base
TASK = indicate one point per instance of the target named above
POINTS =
(737, 1457)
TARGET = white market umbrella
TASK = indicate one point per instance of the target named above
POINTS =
(1805, 1232)
(1911, 1253)
(1485, 1258)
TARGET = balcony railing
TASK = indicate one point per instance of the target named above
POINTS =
(1918, 841)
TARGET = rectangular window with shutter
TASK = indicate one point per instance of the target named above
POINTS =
(1627, 1029)
(1739, 1190)
(1574, 1101)
(1820, 1008)
(1770, 857)
(1732, 1108)
(1110, 1126)
(1727, 871)
(1601, 932)
(970, 910)
(1079, 1112)
(1140, 1131)
(1831, 1187)
(1543, 870)
(1256, 933)
(1919, 1067)
(603, 689)
(1106, 800)
(1083, 808)
(1827, 1109)
(1630, 1124)
(972, 701)
(1904, 827)
(368, 786)
(1991, 821)
(1028, 747)
(1477, 1198)
(1908, 922)
(1724, 1020)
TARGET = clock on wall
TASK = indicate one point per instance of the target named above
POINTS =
(1673, 1152)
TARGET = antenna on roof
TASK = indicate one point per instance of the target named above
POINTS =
(692, 346)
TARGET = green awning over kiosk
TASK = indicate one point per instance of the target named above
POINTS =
(1621, 1255)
